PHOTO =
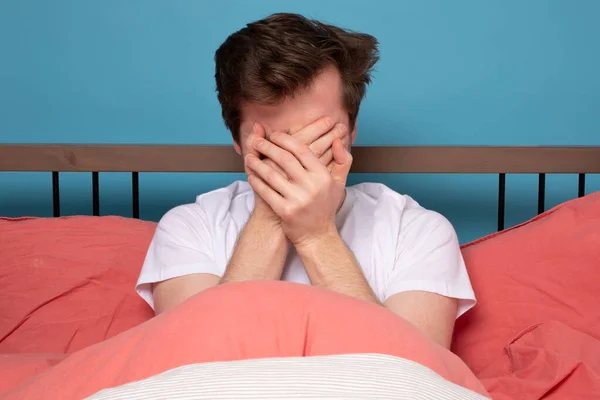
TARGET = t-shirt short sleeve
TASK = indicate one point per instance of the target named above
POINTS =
(181, 245)
(428, 258)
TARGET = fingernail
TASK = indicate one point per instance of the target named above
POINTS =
(341, 129)
(259, 142)
(328, 122)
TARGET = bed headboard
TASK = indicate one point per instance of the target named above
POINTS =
(58, 158)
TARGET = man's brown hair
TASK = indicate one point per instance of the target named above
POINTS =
(271, 59)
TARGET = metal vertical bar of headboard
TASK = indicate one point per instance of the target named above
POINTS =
(501, 200)
(135, 194)
(55, 194)
(95, 194)
(581, 186)
(541, 193)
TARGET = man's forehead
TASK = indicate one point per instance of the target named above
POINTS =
(321, 99)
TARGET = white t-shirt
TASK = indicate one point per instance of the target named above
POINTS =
(399, 245)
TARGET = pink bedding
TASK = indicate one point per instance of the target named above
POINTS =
(547, 269)
(550, 361)
(66, 283)
(234, 322)
(71, 323)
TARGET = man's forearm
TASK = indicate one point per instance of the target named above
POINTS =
(259, 254)
(331, 265)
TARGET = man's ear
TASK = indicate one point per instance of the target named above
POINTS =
(237, 147)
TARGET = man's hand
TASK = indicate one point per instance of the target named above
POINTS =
(262, 210)
(318, 136)
(307, 201)
(307, 204)
(262, 247)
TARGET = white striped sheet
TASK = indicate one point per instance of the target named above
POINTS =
(349, 376)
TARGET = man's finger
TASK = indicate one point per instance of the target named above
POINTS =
(290, 164)
(257, 131)
(342, 160)
(323, 143)
(330, 166)
(314, 130)
(270, 196)
(327, 157)
(276, 168)
(268, 175)
(300, 152)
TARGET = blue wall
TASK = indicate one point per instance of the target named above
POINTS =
(495, 72)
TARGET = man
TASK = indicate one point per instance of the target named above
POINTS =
(290, 91)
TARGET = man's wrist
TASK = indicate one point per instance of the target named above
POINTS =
(260, 251)
(329, 263)
(316, 243)
(266, 224)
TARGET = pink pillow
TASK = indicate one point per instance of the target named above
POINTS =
(546, 269)
(549, 361)
(67, 283)
(241, 321)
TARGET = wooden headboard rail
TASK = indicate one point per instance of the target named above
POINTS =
(393, 159)
(375, 159)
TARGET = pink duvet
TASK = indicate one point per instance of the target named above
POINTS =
(232, 322)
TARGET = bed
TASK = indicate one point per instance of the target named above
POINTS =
(71, 325)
